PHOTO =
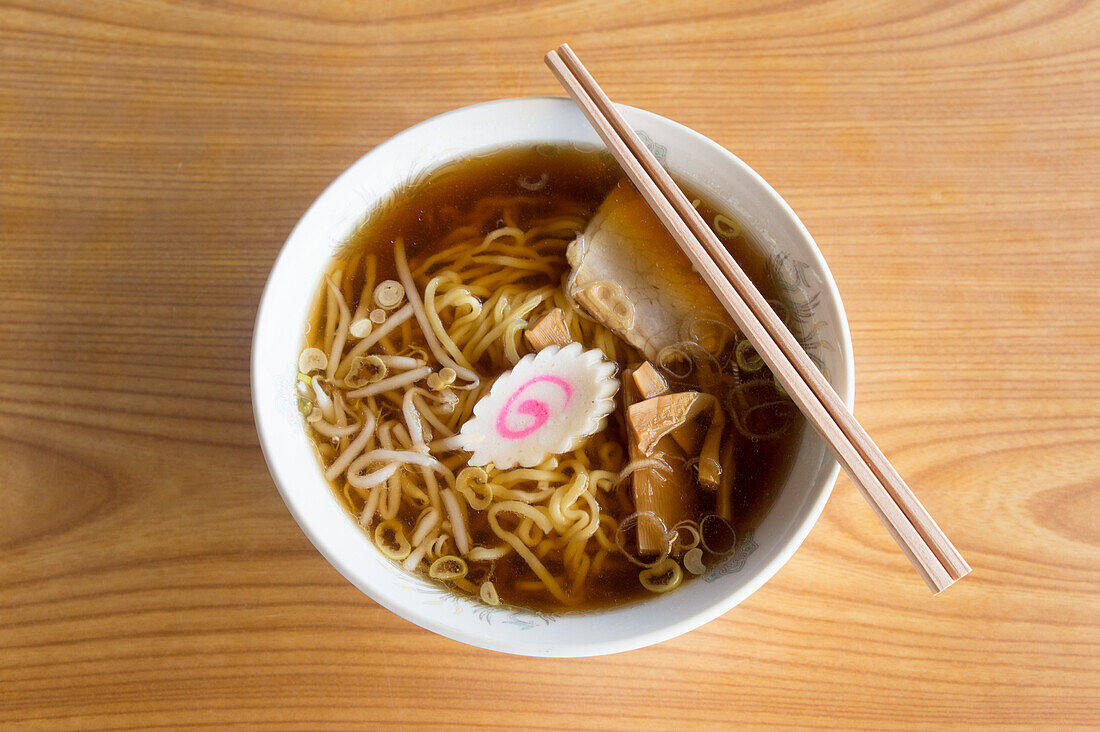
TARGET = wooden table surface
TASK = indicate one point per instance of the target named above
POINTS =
(155, 155)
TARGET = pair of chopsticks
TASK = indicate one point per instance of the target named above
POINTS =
(922, 541)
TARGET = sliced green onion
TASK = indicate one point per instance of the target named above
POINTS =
(395, 545)
(726, 227)
(717, 535)
(449, 567)
(693, 561)
(747, 358)
(489, 594)
(662, 577)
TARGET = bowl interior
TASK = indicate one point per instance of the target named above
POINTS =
(729, 185)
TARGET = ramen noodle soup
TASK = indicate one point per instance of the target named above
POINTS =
(519, 388)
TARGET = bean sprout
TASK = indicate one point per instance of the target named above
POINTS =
(458, 521)
(393, 382)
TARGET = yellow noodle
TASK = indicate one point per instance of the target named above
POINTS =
(534, 496)
(430, 308)
(511, 477)
(559, 510)
(577, 538)
(603, 538)
(580, 574)
(528, 532)
(521, 549)
(596, 567)
(517, 235)
(476, 350)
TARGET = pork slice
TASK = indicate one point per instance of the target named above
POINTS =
(630, 275)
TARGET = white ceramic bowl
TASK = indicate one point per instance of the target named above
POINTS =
(721, 177)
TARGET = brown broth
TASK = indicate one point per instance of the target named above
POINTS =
(427, 209)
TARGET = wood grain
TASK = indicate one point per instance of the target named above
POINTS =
(154, 156)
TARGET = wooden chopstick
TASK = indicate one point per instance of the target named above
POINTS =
(922, 541)
(885, 474)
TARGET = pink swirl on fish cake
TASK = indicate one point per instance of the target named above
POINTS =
(536, 408)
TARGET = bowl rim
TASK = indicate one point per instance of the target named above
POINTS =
(630, 642)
